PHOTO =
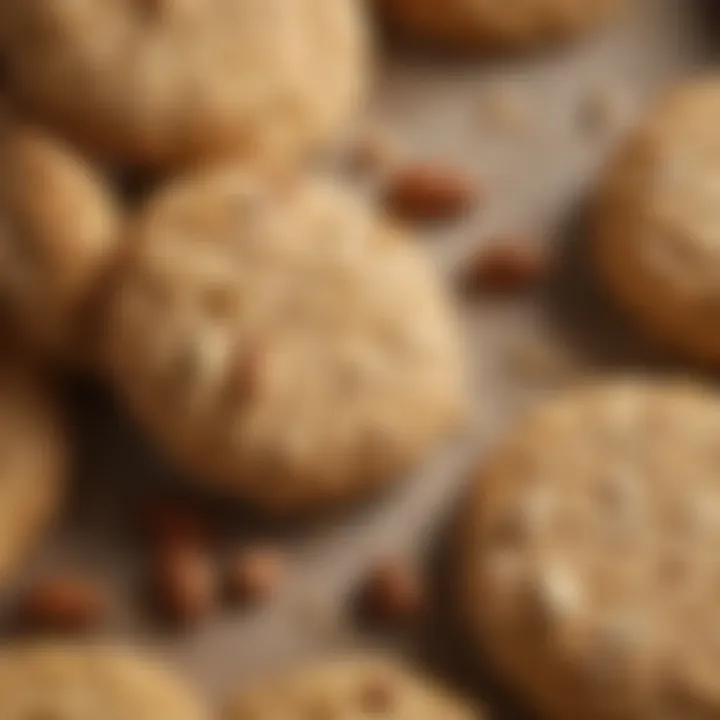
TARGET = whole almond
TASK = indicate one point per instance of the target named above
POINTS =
(393, 592)
(169, 523)
(254, 575)
(430, 193)
(63, 603)
(184, 583)
(506, 266)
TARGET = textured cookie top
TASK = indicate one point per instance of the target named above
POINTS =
(283, 342)
(590, 572)
(494, 23)
(659, 218)
(68, 682)
(59, 228)
(350, 690)
(34, 468)
(167, 81)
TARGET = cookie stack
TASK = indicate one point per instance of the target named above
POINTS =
(286, 345)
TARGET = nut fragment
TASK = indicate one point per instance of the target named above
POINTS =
(508, 265)
(431, 193)
(393, 592)
(165, 522)
(254, 575)
(63, 603)
(184, 583)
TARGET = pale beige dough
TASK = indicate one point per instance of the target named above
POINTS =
(35, 465)
(59, 229)
(165, 82)
(281, 342)
(62, 681)
(351, 689)
(657, 239)
(496, 24)
(589, 575)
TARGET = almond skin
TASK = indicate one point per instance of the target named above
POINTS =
(254, 575)
(184, 583)
(393, 593)
(165, 522)
(507, 266)
(431, 193)
(65, 604)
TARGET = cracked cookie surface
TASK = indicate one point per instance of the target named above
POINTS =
(588, 567)
(282, 342)
(163, 83)
(657, 241)
(351, 689)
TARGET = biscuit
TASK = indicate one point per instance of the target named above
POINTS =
(59, 226)
(351, 688)
(493, 24)
(589, 572)
(657, 240)
(281, 341)
(160, 83)
(79, 682)
(35, 465)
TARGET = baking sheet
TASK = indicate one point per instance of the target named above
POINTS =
(538, 181)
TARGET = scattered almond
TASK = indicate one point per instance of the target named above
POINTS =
(393, 592)
(254, 575)
(184, 583)
(506, 266)
(165, 522)
(64, 603)
(431, 193)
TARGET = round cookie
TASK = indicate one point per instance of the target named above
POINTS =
(281, 341)
(79, 682)
(165, 82)
(657, 244)
(59, 226)
(588, 569)
(351, 689)
(495, 24)
(35, 465)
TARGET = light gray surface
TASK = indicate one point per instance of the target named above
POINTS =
(537, 183)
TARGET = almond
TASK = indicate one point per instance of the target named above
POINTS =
(254, 575)
(184, 583)
(166, 522)
(506, 266)
(393, 592)
(63, 603)
(431, 193)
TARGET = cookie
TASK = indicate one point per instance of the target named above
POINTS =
(280, 341)
(160, 83)
(589, 575)
(35, 465)
(493, 24)
(59, 226)
(657, 240)
(351, 688)
(79, 682)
